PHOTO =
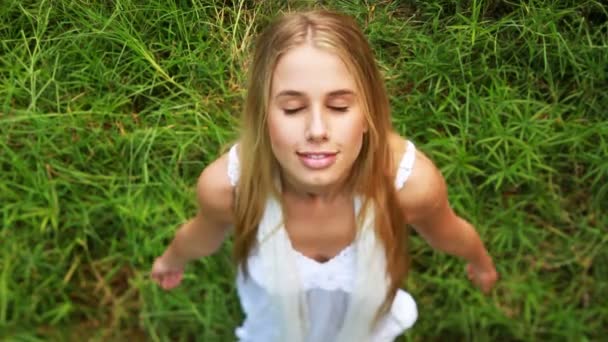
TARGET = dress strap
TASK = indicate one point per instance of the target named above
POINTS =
(406, 165)
(234, 168)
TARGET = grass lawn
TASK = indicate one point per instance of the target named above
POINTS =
(109, 110)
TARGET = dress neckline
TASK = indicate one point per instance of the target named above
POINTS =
(344, 252)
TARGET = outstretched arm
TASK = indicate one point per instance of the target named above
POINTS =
(424, 200)
(203, 234)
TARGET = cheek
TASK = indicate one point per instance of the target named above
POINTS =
(274, 131)
(357, 129)
(354, 139)
(277, 132)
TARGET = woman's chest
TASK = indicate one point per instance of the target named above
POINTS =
(319, 231)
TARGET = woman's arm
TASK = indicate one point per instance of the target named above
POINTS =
(203, 234)
(424, 200)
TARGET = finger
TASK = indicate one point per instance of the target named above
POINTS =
(470, 275)
(166, 284)
(173, 283)
(469, 270)
(171, 280)
(175, 279)
(487, 285)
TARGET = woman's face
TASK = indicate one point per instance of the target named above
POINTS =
(315, 120)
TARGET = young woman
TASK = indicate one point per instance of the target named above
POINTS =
(317, 193)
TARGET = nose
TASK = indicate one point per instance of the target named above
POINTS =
(317, 129)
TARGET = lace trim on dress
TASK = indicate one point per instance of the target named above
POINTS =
(335, 274)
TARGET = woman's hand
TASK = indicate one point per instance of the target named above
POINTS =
(167, 273)
(484, 278)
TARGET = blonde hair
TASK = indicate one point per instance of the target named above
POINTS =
(372, 173)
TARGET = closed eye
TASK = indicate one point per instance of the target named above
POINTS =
(292, 110)
(339, 109)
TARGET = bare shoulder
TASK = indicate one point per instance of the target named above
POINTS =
(214, 192)
(424, 191)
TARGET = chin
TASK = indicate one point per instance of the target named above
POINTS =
(319, 182)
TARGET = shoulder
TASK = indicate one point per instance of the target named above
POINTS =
(214, 191)
(424, 191)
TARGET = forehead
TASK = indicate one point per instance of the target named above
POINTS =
(312, 71)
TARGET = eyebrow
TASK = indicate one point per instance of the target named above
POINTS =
(339, 92)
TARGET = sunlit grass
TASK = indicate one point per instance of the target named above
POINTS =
(110, 110)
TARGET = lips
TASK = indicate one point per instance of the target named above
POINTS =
(317, 160)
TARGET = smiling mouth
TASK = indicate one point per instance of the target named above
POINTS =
(316, 155)
(317, 160)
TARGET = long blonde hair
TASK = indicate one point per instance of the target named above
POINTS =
(373, 171)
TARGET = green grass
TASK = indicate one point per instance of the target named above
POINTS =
(109, 111)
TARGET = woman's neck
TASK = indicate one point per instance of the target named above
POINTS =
(324, 195)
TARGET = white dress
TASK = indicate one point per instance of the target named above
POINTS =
(327, 287)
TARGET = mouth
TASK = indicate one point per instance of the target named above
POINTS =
(316, 155)
(317, 160)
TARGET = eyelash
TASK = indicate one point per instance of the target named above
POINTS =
(339, 109)
(295, 110)
(292, 111)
